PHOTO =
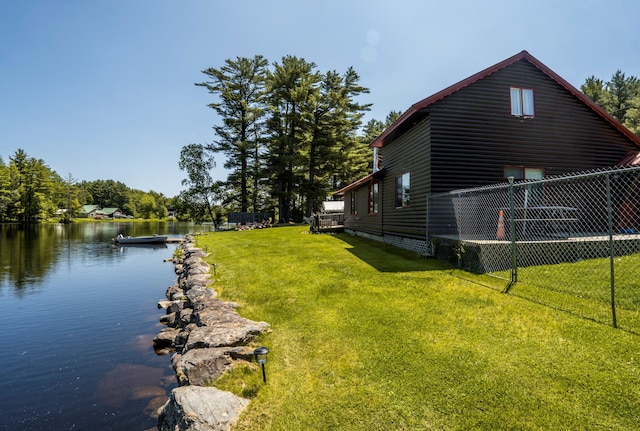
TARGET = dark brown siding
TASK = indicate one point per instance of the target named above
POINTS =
(467, 138)
(474, 134)
(410, 153)
(363, 221)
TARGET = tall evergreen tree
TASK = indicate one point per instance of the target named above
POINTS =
(594, 89)
(239, 86)
(33, 182)
(292, 85)
(336, 152)
(7, 194)
(620, 97)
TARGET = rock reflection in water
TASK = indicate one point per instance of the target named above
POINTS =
(141, 343)
(128, 382)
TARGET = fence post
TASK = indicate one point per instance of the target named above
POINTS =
(611, 252)
(512, 230)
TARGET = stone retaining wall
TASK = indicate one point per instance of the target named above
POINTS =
(206, 336)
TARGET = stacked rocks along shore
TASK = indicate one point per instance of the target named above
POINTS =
(206, 336)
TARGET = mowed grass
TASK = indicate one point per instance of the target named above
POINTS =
(369, 337)
(584, 288)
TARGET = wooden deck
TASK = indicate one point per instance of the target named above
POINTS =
(327, 223)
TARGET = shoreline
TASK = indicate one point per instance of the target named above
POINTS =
(207, 337)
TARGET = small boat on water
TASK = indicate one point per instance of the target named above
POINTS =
(151, 239)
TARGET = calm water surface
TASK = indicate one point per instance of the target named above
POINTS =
(78, 315)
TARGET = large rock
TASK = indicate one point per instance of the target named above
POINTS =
(198, 293)
(199, 280)
(233, 333)
(194, 260)
(196, 408)
(212, 311)
(163, 342)
(174, 292)
(202, 366)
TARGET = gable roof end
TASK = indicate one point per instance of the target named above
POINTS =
(414, 111)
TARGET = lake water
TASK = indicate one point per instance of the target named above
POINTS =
(78, 316)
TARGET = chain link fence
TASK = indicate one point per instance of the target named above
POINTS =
(570, 242)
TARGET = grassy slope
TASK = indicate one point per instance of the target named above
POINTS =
(368, 337)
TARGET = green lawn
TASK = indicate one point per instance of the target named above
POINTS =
(369, 337)
(584, 288)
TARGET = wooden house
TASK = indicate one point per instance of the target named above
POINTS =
(89, 210)
(110, 213)
(516, 118)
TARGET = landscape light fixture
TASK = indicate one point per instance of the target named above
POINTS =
(261, 357)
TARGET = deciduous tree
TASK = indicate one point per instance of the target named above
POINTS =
(202, 191)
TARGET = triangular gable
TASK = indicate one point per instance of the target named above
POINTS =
(414, 111)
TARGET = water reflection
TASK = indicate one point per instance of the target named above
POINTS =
(128, 382)
(82, 312)
(29, 252)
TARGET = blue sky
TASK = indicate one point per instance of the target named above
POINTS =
(104, 89)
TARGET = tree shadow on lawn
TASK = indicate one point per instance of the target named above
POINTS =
(387, 258)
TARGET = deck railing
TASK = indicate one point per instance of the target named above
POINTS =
(329, 221)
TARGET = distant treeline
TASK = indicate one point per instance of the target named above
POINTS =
(31, 191)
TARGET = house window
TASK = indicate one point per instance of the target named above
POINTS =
(353, 206)
(402, 190)
(533, 193)
(373, 197)
(523, 173)
(522, 102)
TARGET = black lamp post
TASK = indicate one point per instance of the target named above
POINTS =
(261, 357)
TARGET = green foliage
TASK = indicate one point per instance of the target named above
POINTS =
(202, 191)
(115, 194)
(620, 97)
(27, 189)
(30, 191)
(289, 133)
(240, 87)
(366, 336)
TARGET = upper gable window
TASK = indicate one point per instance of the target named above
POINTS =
(522, 102)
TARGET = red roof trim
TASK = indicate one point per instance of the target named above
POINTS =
(524, 55)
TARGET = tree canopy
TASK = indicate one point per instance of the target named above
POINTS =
(620, 97)
(30, 191)
(289, 132)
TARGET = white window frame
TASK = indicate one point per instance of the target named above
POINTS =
(374, 190)
(353, 202)
(403, 185)
(522, 104)
(523, 172)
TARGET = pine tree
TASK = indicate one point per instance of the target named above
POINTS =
(620, 97)
(292, 88)
(239, 86)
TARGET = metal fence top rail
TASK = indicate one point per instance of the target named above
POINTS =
(554, 178)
